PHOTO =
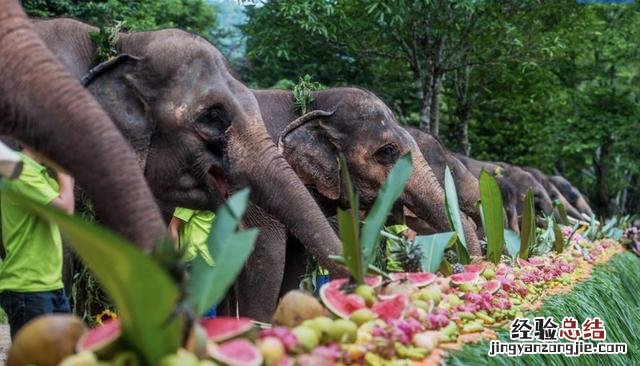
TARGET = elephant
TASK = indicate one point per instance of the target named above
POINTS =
(438, 158)
(509, 192)
(197, 130)
(554, 193)
(359, 125)
(522, 181)
(45, 108)
(573, 195)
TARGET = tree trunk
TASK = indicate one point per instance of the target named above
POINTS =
(424, 104)
(463, 117)
(434, 107)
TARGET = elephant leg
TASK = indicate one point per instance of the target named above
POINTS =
(258, 285)
(295, 266)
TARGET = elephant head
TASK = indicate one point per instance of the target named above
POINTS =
(554, 193)
(572, 194)
(355, 123)
(45, 107)
(197, 130)
(522, 181)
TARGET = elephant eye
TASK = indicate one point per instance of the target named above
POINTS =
(213, 123)
(387, 155)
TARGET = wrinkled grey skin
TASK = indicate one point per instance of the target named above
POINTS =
(572, 194)
(45, 108)
(362, 128)
(197, 130)
(553, 192)
(522, 180)
(438, 158)
(510, 198)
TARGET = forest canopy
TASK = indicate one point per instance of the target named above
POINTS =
(544, 83)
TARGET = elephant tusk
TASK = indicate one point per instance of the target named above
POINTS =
(299, 122)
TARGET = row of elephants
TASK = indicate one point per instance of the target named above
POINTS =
(193, 133)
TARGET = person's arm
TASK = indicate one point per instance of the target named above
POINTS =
(66, 199)
(174, 230)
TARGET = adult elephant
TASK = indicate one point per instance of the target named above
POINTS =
(573, 195)
(510, 200)
(438, 158)
(44, 107)
(553, 192)
(522, 181)
(197, 130)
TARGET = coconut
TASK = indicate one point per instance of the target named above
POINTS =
(46, 340)
(296, 307)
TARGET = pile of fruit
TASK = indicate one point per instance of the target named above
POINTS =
(406, 319)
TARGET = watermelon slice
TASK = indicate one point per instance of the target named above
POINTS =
(474, 267)
(225, 327)
(101, 340)
(533, 261)
(236, 352)
(373, 281)
(419, 279)
(337, 301)
(492, 286)
(466, 277)
(390, 309)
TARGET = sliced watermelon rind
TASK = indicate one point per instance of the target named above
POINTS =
(237, 352)
(101, 337)
(419, 279)
(223, 328)
(335, 300)
(460, 278)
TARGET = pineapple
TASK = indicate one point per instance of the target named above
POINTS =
(408, 255)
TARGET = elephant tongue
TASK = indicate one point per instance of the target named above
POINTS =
(219, 181)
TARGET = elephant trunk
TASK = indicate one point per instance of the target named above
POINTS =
(424, 196)
(277, 189)
(583, 206)
(43, 106)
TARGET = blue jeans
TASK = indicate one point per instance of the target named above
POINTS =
(24, 306)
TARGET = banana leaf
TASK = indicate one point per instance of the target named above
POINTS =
(492, 215)
(558, 238)
(387, 196)
(349, 229)
(229, 248)
(453, 214)
(528, 227)
(143, 292)
(433, 247)
(564, 219)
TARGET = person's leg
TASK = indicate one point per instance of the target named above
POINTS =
(14, 305)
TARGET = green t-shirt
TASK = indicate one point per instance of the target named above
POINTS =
(194, 232)
(33, 244)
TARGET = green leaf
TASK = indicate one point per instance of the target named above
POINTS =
(512, 241)
(349, 228)
(433, 247)
(528, 227)
(141, 289)
(387, 196)
(463, 253)
(558, 242)
(452, 207)
(492, 215)
(230, 249)
(564, 219)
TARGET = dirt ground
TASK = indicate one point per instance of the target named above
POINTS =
(4, 342)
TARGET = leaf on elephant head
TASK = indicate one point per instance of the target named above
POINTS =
(230, 250)
(143, 292)
(492, 215)
(528, 226)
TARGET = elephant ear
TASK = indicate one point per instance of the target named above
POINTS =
(310, 146)
(119, 90)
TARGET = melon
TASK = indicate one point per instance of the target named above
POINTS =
(340, 303)
(466, 277)
(389, 309)
(373, 281)
(224, 327)
(236, 352)
(102, 340)
(474, 267)
(419, 279)
(491, 286)
(533, 261)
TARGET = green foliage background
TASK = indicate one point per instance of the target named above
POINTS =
(547, 83)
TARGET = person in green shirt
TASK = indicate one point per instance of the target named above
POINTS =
(31, 270)
(190, 230)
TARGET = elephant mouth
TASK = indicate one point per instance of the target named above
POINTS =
(217, 179)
